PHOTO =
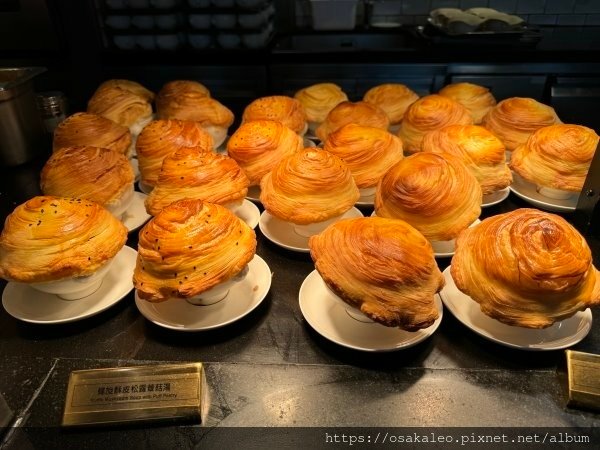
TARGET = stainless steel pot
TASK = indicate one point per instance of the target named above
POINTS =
(21, 128)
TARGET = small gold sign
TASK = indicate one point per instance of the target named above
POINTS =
(125, 394)
(584, 379)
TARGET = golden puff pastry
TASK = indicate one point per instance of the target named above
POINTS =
(97, 174)
(52, 238)
(124, 102)
(557, 156)
(368, 152)
(361, 113)
(393, 98)
(319, 99)
(383, 267)
(196, 174)
(430, 113)
(83, 129)
(526, 268)
(435, 194)
(190, 247)
(280, 108)
(309, 186)
(259, 145)
(513, 120)
(482, 152)
(477, 99)
(162, 137)
(189, 100)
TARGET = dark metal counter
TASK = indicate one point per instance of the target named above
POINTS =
(270, 369)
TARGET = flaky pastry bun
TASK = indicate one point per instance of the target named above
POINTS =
(162, 137)
(482, 152)
(368, 152)
(360, 113)
(435, 194)
(430, 113)
(383, 267)
(513, 120)
(52, 238)
(319, 99)
(259, 145)
(97, 174)
(197, 174)
(557, 156)
(309, 186)
(190, 247)
(280, 108)
(477, 99)
(526, 268)
(82, 129)
(187, 100)
(393, 98)
(124, 102)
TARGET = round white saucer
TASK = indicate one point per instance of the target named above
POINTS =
(253, 194)
(325, 314)
(561, 335)
(495, 197)
(135, 216)
(527, 191)
(135, 165)
(282, 233)
(243, 298)
(249, 213)
(145, 188)
(366, 200)
(30, 305)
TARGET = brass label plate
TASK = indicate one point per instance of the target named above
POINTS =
(125, 394)
(584, 379)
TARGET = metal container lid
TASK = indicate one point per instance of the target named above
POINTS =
(12, 78)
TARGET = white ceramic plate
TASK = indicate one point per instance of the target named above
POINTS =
(135, 216)
(527, 191)
(253, 194)
(366, 200)
(249, 213)
(495, 197)
(30, 305)
(242, 299)
(559, 336)
(135, 165)
(325, 314)
(282, 233)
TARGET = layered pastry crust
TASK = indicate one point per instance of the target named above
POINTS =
(427, 114)
(309, 186)
(482, 152)
(122, 101)
(477, 99)
(368, 152)
(435, 194)
(280, 108)
(162, 137)
(361, 113)
(196, 174)
(98, 174)
(190, 247)
(393, 98)
(83, 129)
(383, 267)
(319, 99)
(513, 120)
(526, 268)
(259, 145)
(52, 238)
(558, 156)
